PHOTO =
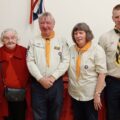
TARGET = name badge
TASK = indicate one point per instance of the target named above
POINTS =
(57, 48)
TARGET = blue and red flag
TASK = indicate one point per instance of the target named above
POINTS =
(37, 7)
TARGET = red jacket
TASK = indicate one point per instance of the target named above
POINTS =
(20, 66)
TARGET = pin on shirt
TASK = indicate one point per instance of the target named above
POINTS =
(86, 66)
(60, 54)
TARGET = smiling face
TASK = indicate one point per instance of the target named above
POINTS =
(81, 34)
(46, 24)
(80, 38)
(9, 39)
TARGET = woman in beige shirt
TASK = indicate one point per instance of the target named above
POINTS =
(86, 73)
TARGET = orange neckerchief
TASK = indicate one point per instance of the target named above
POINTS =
(78, 58)
(47, 47)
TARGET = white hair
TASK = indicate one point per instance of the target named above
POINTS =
(9, 30)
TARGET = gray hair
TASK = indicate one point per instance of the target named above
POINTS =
(8, 30)
(46, 14)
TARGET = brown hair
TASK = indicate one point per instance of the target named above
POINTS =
(117, 7)
(83, 27)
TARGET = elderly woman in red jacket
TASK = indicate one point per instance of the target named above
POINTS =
(15, 77)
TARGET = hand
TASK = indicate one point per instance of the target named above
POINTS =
(46, 82)
(97, 102)
(52, 79)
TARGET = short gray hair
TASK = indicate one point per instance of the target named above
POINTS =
(46, 14)
(9, 30)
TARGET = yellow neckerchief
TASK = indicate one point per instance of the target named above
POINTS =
(78, 58)
(47, 47)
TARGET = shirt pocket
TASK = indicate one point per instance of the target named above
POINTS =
(56, 54)
(39, 52)
(111, 47)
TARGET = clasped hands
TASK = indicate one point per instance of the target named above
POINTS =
(47, 81)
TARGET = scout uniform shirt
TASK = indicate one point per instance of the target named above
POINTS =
(109, 43)
(93, 61)
(59, 58)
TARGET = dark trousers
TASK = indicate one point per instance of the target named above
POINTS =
(84, 110)
(16, 110)
(47, 103)
(112, 98)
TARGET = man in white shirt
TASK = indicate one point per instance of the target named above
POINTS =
(47, 60)
(110, 41)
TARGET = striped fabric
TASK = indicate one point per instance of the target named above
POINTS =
(118, 48)
(37, 7)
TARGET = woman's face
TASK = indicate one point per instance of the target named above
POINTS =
(10, 40)
(80, 38)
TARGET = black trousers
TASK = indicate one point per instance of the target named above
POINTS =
(16, 110)
(84, 110)
(47, 103)
(112, 98)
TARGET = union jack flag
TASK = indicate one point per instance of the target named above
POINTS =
(37, 7)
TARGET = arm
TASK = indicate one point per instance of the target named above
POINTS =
(32, 67)
(99, 87)
(101, 69)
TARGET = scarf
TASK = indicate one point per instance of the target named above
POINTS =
(78, 58)
(118, 48)
(47, 47)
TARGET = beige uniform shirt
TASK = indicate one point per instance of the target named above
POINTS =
(93, 62)
(109, 42)
(59, 58)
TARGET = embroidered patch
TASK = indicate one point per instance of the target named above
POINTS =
(57, 48)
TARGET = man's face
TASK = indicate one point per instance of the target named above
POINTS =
(46, 25)
(10, 40)
(116, 18)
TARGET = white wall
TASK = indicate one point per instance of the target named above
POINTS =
(96, 13)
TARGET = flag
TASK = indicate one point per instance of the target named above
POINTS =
(37, 7)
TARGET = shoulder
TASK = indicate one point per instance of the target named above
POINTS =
(96, 48)
(106, 35)
(106, 38)
(61, 40)
(1, 48)
(37, 39)
(72, 49)
(21, 48)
